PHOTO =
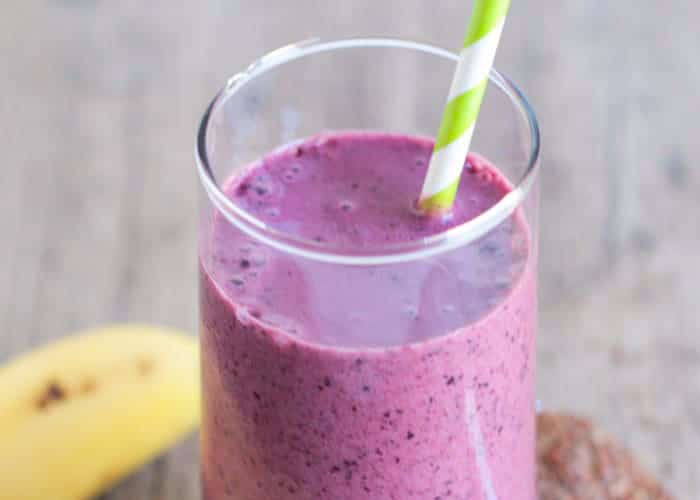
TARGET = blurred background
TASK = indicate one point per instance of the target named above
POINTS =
(99, 102)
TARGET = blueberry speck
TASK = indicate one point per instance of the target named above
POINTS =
(260, 190)
(451, 381)
(397, 459)
(410, 435)
(488, 248)
(355, 185)
(245, 263)
(503, 285)
(354, 408)
(359, 362)
(348, 475)
(335, 469)
(387, 414)
(365, 388)
(237, 282)
(298, 152)
(326, 381)
(256, 395)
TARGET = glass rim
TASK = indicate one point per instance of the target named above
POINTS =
(450, 239)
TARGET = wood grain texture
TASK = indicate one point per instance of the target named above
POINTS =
(98, 193)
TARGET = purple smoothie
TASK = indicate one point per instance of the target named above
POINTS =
(332, 382)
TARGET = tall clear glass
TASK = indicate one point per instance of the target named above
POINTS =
(393, 411)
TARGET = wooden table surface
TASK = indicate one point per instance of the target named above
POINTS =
(98, 195)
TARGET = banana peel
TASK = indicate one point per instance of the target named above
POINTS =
(78, 415)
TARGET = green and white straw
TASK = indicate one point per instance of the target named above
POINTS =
(467, 91)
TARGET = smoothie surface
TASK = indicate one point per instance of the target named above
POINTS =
(351, 191)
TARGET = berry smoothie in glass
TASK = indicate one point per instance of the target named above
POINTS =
(353, 348)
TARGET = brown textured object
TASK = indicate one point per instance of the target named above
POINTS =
(576, 461)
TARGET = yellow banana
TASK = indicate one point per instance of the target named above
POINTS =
(81, 413)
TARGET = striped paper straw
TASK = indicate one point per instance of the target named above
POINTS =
(463, 103)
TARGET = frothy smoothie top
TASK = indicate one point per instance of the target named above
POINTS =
(352, 191)
(358, 190)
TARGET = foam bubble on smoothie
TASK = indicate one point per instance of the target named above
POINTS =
(346, 205)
